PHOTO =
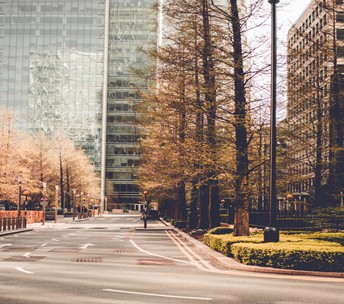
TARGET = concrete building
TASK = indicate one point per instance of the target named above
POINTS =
(315, 67)
(68, 66)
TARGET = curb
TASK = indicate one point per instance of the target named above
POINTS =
(15, 231)
(231, 264)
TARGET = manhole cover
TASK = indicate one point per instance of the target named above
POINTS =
(88, 260)
(155, 262)
(24, 258)
(125, 251)
(65, 249)
(98, 228)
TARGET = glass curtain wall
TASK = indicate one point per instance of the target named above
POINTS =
(132, 27)
(51, 64)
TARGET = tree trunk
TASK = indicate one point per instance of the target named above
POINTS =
(203, 207)
(213, 206)
(214, 202)
(181, 201)
(241, 220)
(241, 223)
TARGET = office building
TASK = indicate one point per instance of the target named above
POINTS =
(315, 68)
(67, 66)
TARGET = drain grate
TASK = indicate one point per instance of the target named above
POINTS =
(65, 249)
(20, 249)
(24, 258)
(155, 262)
(125, 251)
(98, 228)
(88, 260)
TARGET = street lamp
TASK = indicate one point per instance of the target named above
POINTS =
(20, 180)
(81, 194)
(26, 193)
(56, 201)
(145, 193)
(74, 192)
(271, 233)
(44, 201)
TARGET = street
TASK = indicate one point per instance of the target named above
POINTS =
(114, 260)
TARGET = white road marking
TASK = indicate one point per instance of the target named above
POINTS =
(198, 261)
(84, 246)
(23, 270)
(44, 244)
(157, 295)
(56, 240)
(157, 255)
(4, 245)
(27, 255)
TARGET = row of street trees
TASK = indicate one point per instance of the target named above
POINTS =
(208, 124)
(39, 160)
(201, 144)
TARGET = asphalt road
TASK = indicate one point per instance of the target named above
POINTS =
(114, 260)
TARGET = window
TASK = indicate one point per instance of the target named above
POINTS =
(340, 34)
(340, 17)
(340, 51)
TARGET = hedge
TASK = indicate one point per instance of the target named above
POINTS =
(317, 251)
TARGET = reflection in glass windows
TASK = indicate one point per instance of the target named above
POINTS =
(132, 28)
(51, 67)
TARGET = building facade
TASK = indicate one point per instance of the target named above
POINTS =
(69, 66)
(315, 65)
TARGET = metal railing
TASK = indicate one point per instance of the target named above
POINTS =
(12, 223)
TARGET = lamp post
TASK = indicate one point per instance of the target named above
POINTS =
(56, 201)
(44, 201)
(88, 204)
(271, 233)
(145, 193)
(81, 194)
(20, 180)
(26, 193)
(74, 192)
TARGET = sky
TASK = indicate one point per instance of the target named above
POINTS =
(287, 12)
(292, 10)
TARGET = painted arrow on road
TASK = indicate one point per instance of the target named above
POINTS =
(4, 245)
(84, 246)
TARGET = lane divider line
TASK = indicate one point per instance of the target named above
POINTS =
(157, 255)
(157, 295)
(23, 270)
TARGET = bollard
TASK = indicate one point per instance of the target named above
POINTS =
(271, 234)
(12, 221)
(4, 224)
(145, 221)
(0, 223)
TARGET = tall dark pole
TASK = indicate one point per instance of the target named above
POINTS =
(271, 233)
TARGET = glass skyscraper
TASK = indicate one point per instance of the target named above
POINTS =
(69, 66)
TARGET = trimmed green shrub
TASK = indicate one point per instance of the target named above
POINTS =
(311, 257)
(316, 251)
